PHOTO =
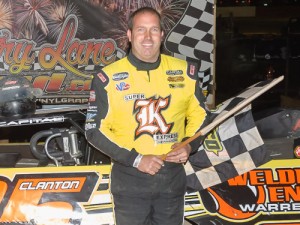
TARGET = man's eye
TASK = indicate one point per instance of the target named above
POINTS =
(156, 29)
(140, 29)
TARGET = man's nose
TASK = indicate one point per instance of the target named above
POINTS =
(147, 34)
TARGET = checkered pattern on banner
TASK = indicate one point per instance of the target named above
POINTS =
(233, 148)
(205, 79)
(3, 65)
(191, 38)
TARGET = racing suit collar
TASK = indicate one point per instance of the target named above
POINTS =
(141, 65)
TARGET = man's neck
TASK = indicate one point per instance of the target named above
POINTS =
(141, 65)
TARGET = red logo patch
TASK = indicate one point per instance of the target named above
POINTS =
(192, 69)
(101, 77)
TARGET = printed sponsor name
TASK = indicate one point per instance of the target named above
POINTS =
(134, 97)
(55, 119)
(50, 185)
(64, 100)
(271, 207)
(165, 138)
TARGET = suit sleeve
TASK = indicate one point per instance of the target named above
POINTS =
(197, 116)
(98, 130)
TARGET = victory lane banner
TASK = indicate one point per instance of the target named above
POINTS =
(60, 45)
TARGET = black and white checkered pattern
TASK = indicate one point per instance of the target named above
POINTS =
(239, 150)
(3, 65)
(191, 38)
(205, 78)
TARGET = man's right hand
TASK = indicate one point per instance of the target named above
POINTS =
(150, 164)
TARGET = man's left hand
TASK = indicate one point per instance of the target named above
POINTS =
(179, 154)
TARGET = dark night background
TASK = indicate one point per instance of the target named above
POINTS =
(257, 40)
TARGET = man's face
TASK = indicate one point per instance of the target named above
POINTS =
(145, 37)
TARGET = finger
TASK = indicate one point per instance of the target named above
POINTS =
(173, 153)
(158, 160)
(153, 170)
(162, 157)
(174, 145)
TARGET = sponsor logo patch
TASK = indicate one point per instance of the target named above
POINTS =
(90, 116)
(192, 70)
(120, 76)
(90, 126)
(174, 72)
(176, 85)
(122, 86)
(176, 79)
(102, 77)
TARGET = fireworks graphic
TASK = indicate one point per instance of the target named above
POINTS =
(6, 15)
(119, 34)
(58, 14)
(42, 20)
(170, 10)
(30, 15)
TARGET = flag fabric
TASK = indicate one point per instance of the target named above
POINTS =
(231, 149)
(191, 39)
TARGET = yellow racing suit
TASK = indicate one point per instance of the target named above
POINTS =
(137, 107)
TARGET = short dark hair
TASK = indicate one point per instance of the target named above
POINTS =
(143, 10)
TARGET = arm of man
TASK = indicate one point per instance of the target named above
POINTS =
(196, 118)
(98, 128)
(102, 139)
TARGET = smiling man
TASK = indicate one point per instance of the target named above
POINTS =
(141, 107)
(145, 35)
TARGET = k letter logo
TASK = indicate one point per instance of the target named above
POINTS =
(149, 116)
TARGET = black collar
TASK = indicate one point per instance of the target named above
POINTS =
(141, 65)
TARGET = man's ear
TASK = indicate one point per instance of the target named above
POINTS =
(129, 35)
(162, 36)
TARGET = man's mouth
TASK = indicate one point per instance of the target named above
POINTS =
(147, 45)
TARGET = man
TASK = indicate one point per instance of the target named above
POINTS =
(141, 107)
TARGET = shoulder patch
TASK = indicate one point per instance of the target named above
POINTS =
(102, 77)
(192, 70)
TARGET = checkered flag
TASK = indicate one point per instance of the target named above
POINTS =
(191, 38)
(234, 147)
